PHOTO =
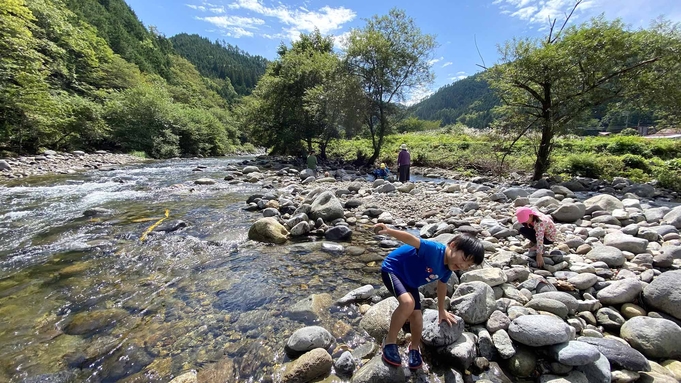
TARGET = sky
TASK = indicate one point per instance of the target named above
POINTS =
(259, 26)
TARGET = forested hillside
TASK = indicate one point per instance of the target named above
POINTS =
(468, 101)
(86, 74)
(221, 61)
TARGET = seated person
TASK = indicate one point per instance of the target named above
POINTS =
(383, 172)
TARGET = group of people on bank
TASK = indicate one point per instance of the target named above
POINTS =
(382, 172)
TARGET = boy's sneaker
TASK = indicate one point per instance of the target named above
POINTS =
(391, 355)
(415, 360)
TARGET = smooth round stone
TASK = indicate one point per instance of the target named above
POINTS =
(539, 330)
(630, 310)
(583, 281)
(575, 353)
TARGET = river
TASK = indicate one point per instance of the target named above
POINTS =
(86, 299)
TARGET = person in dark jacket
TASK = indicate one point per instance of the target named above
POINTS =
(403, 163)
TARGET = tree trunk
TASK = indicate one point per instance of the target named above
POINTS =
(544, 152)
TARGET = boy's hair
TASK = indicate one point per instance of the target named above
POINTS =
(471, 247)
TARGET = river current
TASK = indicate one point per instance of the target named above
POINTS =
(86, 298)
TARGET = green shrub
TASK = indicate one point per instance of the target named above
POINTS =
(669, 179)
(138, 153)
(581, 165)
(634, 161)
(629, 132)
(628, 145)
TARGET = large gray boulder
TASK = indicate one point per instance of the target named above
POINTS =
(626, 242)
(569, 212)
(664, 293)
(377, 371)
(327, 207)
(376, 321)
(308, 338)
(539, 330)
(673, 218)
(4, 165)
(620, 355)
(656, 338)
(491, 275)
(438, 334)
(619, 292)
(311, 365)
(473, 301)
(612, 256)
(602, 202)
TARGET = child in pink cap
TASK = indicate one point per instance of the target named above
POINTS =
(538, 228)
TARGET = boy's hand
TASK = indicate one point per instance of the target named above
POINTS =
(381, 228)
(448, 317)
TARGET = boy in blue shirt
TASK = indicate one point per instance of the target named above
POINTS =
(415, 264)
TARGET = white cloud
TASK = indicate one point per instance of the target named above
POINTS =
(235, 26)
(417, 94)
(435, 61)
(448, 63)
(341, 41)
(326, 19)
(635, 12)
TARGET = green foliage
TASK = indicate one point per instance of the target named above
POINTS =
(388, 56)
(469, 101)
(582, 165)
(137, 153)
(634, 161)
(237, 70)
(627, 145)
(413, 124)
(629, 132)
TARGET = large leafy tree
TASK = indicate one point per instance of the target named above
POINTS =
(389, 56)
(548, 85)
(297, 98)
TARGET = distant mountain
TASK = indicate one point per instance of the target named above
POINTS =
(468, 101)
(220, 60)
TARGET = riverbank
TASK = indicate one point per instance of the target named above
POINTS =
(52, 162)
(597, 311)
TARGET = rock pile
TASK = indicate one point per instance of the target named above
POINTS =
(606, 307)
(50, 162)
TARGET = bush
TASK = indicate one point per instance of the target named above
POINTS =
(633, 161)
(629, 132)
(669, 179)
(628, 145)
(138, 153)
(581, 165)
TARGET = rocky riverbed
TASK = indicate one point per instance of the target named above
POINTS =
(52, 162)
(606, 307)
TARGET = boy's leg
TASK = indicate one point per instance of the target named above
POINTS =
(404, 310)
(416, 320)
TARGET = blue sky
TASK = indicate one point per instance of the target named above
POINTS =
(259, 26)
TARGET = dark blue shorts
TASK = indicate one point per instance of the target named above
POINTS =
(397, 288)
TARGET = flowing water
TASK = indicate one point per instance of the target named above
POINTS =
(85, 299)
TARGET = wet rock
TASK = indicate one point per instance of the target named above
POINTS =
(268, 230)
(301, 228)
(313, 307)
(309, 338)
(377, 371)
(87, 323)
(359, 294)
(59, 377)
(539, 330)
(462, 352)
(4, 166)
(97, 212)
(187, 377)
(523, 363)
(338, 233)
(655, 338)
(345, 364)
(204, 181)
(127, 361)
(309, 366)
(171, 226)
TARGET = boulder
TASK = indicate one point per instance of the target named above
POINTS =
(438, 334)
(619, 292)
(473, 301)
(539, 330)
(602, 202)
(309, 366)
(308, 338)
(656, 338)
(619, 354)
(327, 207)
(569, 212)
(664, 293)
(268, 230)
(626, 242)
(612, 256)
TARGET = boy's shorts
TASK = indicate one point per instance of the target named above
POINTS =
(397, 288)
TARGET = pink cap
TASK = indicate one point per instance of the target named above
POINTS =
(523, 214)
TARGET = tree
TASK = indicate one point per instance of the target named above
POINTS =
(548, 85)
(293, 100)
(389, 55)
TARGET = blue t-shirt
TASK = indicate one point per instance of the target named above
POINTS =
(418, 267)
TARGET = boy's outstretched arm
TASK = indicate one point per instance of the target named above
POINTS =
(443, 314)
(399, 235)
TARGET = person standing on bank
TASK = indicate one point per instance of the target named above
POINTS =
(312, 162)
(538, 228)
(403, 163)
